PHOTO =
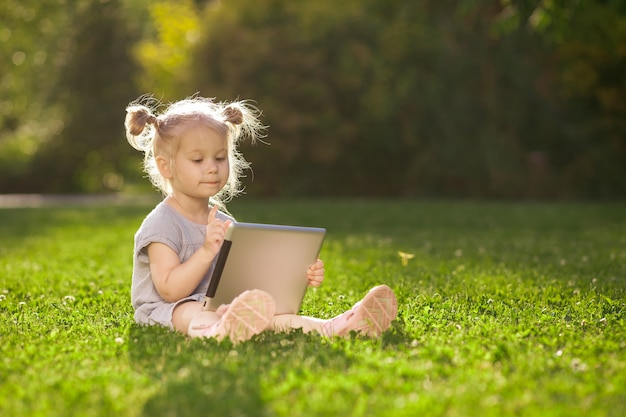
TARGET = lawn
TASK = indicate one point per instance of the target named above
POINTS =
(505, 309)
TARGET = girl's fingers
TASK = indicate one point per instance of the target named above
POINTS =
(318, 265)
(212, 214)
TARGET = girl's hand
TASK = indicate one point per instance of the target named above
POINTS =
(315, 273)
(215, 232)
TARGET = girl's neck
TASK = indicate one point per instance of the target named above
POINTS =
(194, 209)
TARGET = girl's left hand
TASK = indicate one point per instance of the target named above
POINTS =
(315, 273)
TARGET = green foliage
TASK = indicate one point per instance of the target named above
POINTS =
(504, 310)
(508, 98)
(91, 145)
(33, 51)
(405, 98)
(68, 134)
(165, 59)
(587, 39)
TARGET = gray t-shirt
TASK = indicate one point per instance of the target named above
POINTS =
(165, 225)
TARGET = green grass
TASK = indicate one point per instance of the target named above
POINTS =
(505, 309)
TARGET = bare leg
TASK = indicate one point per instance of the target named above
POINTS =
(190, 315)
(249, 314)
(286, 322)
(370, 317)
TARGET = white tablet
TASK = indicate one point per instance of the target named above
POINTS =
(271, 258)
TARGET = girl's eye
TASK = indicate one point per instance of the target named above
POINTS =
(197, 161)
(220, 159)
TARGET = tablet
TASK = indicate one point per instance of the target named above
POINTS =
(267, 257)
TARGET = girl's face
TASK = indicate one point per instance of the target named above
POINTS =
(199, 167)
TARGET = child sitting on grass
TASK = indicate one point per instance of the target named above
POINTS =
(191, 156)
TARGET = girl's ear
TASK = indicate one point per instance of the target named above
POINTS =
(163, 164)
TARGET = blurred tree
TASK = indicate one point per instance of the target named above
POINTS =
(497, 98)
(588, 41)
(63, 97)
(592, 59)
(296, 59)
(165, 55)
(33, 49)
(379, 98)
(90, 153)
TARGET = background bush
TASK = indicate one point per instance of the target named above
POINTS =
(510, 99)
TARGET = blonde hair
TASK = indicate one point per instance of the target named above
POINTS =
(158, 134)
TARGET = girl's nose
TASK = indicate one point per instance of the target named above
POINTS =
(211, 167)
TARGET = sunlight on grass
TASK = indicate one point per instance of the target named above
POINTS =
(504, 310)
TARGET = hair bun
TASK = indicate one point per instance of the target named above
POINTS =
(137, 117)
(233, 115)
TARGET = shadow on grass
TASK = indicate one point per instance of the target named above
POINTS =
(197, 377)
(204, 377)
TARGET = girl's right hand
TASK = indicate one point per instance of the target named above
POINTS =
(215, 232)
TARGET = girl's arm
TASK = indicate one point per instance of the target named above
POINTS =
(174, 280)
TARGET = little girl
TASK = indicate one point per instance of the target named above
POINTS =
(191, 156)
